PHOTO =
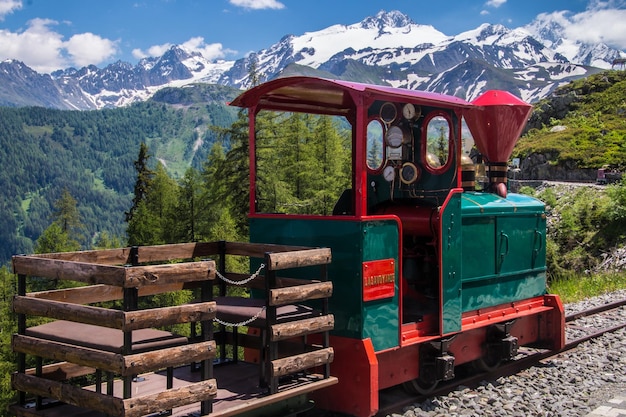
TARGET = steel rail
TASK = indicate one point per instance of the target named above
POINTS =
(595, 310)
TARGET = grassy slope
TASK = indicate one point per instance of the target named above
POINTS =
(593, 112)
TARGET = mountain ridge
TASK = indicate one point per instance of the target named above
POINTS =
(388, 48)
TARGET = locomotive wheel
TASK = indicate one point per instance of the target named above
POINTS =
(487, 363)
(419, 386)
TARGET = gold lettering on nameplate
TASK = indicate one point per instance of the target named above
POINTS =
(379, 279)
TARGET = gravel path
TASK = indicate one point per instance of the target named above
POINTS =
(572, 384)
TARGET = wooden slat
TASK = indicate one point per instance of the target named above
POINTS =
(113, 406)
(163, 358)
(297, 363)
(297, 259)
(259, 282)
(243, 407)
(81, 295)
(258, 250)
(68, 394)
(69, 270)
(296, 294)
(106, 361)
(101, 293)
(62, 371)
(163, 253)
(168, 399)
(166, 274)
(113, 362)
(120, 256)
(75, 312)
(165, 316)
(301, 327)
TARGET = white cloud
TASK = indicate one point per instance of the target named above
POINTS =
(44, 50)
(262, 4)
(211, 51)
(599, 23)
(155, 50)
(87, 48)
(495, 3)
(38, 47)
(9, 6)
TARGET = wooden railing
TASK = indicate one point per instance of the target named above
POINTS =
(79, 338)
(290, 314)
(85, 339)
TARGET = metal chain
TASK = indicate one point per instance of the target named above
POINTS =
(242, 282)
(242, 323)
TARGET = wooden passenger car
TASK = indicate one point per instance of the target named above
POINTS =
(126, 362)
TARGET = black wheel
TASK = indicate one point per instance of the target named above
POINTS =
(419, 386)
(487, 363)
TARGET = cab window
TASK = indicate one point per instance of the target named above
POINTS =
(374, 145)
(436, 144)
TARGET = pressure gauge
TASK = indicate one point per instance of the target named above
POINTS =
(389, 173)
(394, 136)
(388, 113)
(410, 112)
(409, 173)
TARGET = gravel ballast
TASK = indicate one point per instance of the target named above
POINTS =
(573, 383)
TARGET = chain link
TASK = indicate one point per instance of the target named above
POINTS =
(242, 282)
(241, 323)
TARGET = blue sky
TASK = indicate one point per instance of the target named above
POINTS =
(54, 34)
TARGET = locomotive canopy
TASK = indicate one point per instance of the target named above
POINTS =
(434, 264)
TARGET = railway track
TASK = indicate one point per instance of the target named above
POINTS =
(580, 327)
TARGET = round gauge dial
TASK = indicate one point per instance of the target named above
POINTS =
(410, 112)
(388, 112)
(389, 173)
(409, 173)
(394, 136)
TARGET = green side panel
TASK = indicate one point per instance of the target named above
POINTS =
(381, 317)
(504, 254)
(479, 246)
(451, 247)
(352, 243)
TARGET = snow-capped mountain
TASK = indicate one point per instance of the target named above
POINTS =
(388, 48)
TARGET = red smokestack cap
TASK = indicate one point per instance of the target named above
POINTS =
(496, 121)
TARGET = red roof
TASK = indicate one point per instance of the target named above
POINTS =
(325, 96)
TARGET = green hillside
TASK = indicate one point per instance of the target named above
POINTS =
(583, 122)
(90, 154)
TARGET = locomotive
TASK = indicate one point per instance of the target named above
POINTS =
(430, 270)
(424, 264)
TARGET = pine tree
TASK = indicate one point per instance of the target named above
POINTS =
(332, 168)
(144, 179)
(187, 212)
(66, 230)
(66, 214)
(153, 221)
(233, 171)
